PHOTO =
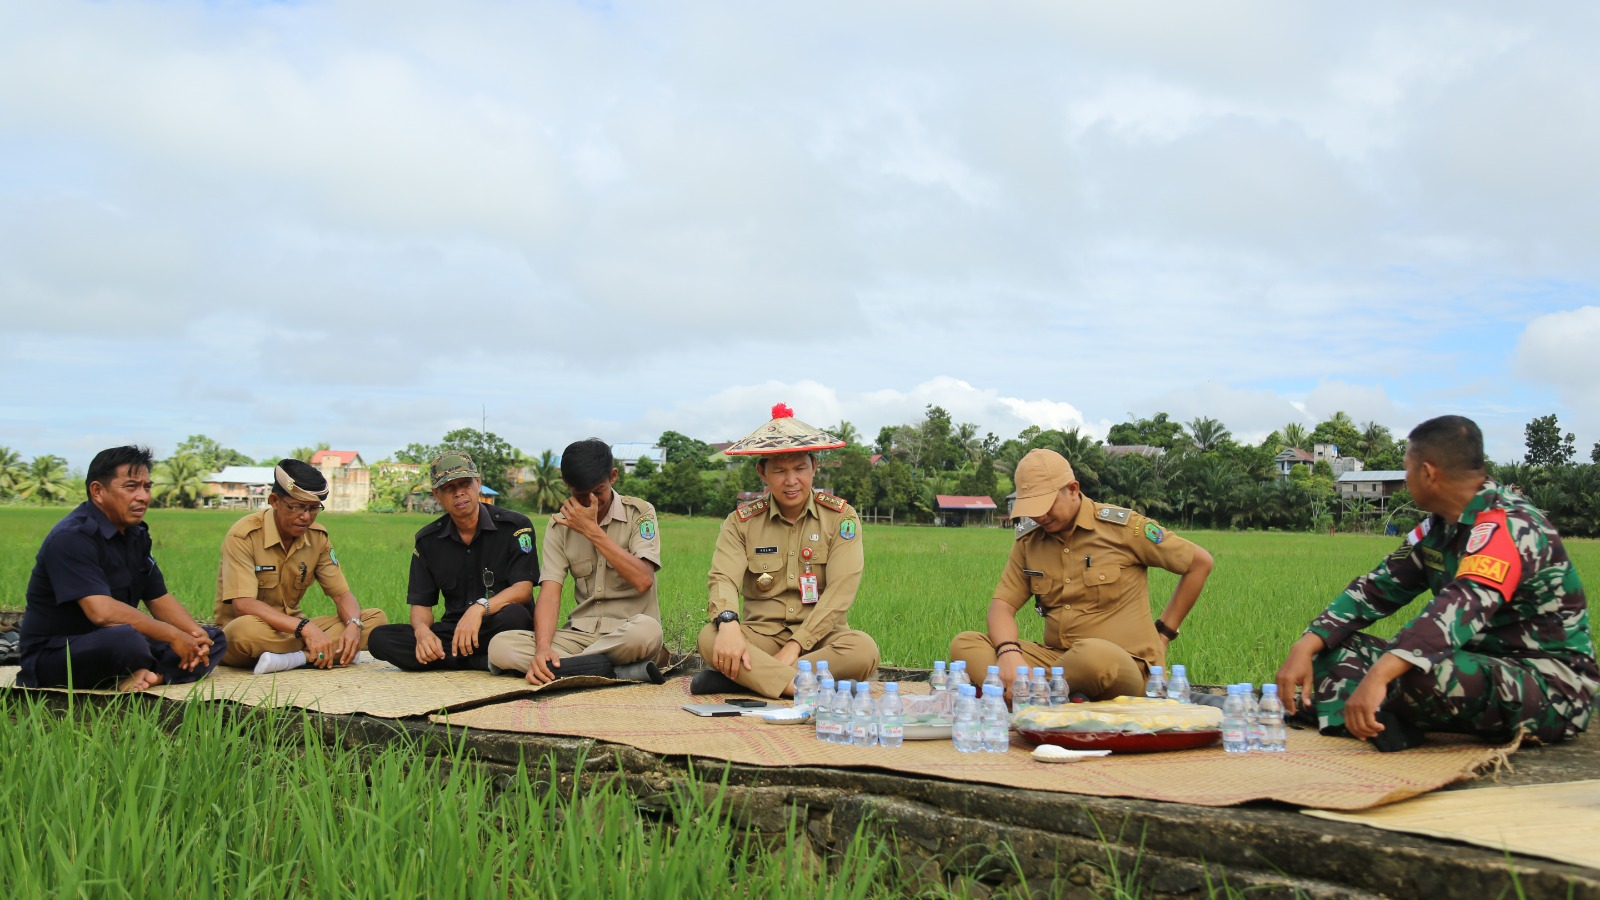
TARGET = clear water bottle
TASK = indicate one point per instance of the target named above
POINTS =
(992, 678)
(1060, 691)
(891, 716)
(1156, 687)
(939, 680)
(1233, 723)
(958, 674)
(822, 671)
(805, 687)
(1039, 688)
(1178, 686)
(839, 730)
(1274, 736)
(863, 717)
(1021, 689)
(967, 733)
(823, 711)
(996, 721)
(939, 687)
(1252, 723)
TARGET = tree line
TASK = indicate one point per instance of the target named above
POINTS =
(1191, 474)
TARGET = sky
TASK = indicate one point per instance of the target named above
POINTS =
(369, 223)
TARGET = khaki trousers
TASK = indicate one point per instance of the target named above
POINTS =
(850, 654)
(638, 637)
(1098, 669)
(251, 636)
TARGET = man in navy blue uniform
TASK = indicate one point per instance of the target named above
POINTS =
(83, 626)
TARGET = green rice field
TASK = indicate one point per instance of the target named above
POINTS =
(921, 586)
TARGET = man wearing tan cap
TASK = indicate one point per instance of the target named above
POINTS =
(269, 560)
(481, 558)
(794, 557)
(1086, 563)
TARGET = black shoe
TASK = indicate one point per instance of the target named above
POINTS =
(710, 681)
(1397, 733)
(643, 670)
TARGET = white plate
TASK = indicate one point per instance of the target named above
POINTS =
(928, 732)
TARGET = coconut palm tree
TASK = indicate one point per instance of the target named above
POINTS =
(1207, 434)
(1087, 455)
(46, 480)
(180, 480)
(12, 471)
(1294, 435)
(304, 454)
(545, 488)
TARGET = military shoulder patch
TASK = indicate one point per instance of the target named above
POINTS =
(837, 504)
(1113, 514)
(1492, 558)
(747, 511)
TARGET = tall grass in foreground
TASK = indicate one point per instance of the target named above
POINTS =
(111, 804)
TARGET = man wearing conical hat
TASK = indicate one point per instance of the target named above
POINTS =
(270, 558)
(1086, 564)
(784, 574)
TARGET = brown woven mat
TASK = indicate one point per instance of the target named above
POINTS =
(371, 688)
(1323, 772)
(1553, 821)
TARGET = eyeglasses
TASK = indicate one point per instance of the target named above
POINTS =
(299, 509)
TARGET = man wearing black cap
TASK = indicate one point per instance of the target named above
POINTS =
(481, 558)
(83, 626)
(269, 559)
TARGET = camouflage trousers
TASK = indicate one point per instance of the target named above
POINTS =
(1489, 696)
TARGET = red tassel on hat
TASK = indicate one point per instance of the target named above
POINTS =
(782, 411)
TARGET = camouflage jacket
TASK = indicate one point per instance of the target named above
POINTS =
(1502, 586)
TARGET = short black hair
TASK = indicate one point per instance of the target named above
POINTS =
(304, 474)
(1453, 443)
(586, 463)
(108, 461)
(761, 461)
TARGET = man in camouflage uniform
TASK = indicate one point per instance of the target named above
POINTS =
(1087, 563)
(795, 558)
(1502, 647)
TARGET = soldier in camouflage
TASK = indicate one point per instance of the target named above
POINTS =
(1502, 647)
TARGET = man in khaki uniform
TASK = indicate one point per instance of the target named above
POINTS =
(611, 545)
(1086, 563)
(795, 558)
(269, 560)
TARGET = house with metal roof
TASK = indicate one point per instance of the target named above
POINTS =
(239, 487)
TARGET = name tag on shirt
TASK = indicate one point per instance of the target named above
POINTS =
(808, 588)
(266, 568)
(766, 550)
(1033, 573)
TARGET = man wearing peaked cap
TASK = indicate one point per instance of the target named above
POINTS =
(1086, 563)
(785, 573)
(481, 558)
(269, 560)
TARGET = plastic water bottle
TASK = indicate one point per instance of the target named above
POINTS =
(822, 671)
(938, 681)
(967, 733)
(839, 731)
(1178, 687)
(805, 687)
(958, 674)
(1039, 688)
(1252, 722)
(1021, 689)
(1233, 723)
(1060, 691)
(1274, 737)
(1156, 687)
(891, 716)
(996, 722)
(863, 717)
(823, 711)
(993, 677)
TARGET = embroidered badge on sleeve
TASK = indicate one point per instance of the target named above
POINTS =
(1491, 556)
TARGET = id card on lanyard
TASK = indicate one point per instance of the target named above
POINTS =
(808, 581)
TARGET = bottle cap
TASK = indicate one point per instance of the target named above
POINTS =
(938, 666)
(1057, 670)
(1157, 670)
(994, 670)
(844, 684)
(822, 665)
(863, 688)
(1269, 689)
(1178, 669)
(805, 665)
(1038, 670)
(892, 687)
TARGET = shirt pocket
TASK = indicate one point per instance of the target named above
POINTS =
(1104, 583)
(765, 564)
(268, 581)
(583, 571)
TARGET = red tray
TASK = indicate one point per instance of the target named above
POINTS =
(1122, 742)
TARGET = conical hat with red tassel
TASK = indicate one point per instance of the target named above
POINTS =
(784, 434)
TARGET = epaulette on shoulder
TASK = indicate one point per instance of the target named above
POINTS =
(837, 504)
(1114, 514)
(637, 503)
(748, 510)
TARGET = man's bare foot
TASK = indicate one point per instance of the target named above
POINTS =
(141, 680)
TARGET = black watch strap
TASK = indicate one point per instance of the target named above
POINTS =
(1166, 630)
(725, 617)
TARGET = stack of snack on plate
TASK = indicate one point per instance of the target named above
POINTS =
(1129, 724)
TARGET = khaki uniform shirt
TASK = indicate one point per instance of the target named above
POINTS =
(1090, 579)
(758, 558)
(604, 598)
(256, 564)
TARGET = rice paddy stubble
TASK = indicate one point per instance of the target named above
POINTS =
(921, 585)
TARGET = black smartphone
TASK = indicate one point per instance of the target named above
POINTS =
(747, 704)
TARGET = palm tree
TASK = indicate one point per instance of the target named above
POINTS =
(46, 480)
(1131, 480)
(1216, 489)
(1294, 435)
(1375, 439)
(1087, 455)
(545, 488)
(304, 454)
(1208, 434)
(179, 481)
(846, 432)
(12, 471)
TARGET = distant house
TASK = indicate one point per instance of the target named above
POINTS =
(628, 454)
(1291, 457)
(239, 487)
(1329, 453)
(1134, 450)
(954, 509)
(1378, 485)
(349, 479)
(423, 501)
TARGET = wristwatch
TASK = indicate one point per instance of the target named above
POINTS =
(356, 623)
(483, 602)
(1167, 631)
(725, 617)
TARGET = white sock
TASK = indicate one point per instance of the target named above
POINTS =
(280, 662)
